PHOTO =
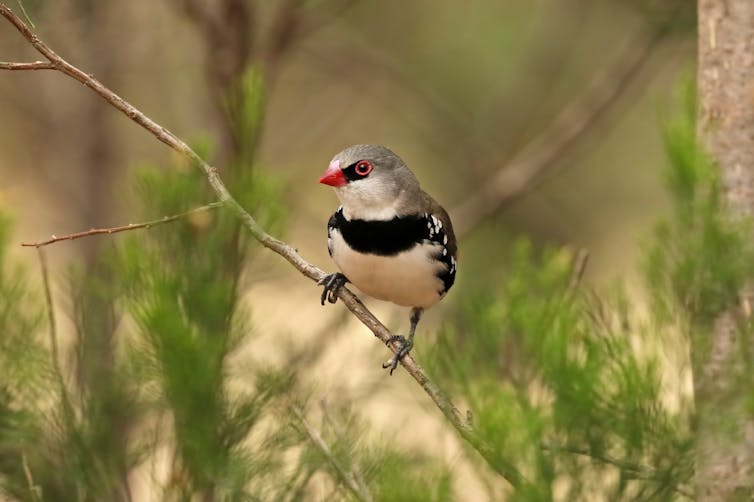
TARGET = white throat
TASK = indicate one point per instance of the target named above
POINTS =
(361, 213)
(363, 204)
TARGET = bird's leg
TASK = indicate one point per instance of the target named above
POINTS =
(332, 283)
(405, 344)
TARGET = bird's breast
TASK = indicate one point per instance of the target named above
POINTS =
(410, 277)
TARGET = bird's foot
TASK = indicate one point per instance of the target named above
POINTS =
(332, 283)
(403, 348)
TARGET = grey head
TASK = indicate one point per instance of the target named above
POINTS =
(375, 183)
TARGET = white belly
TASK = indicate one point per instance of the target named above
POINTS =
(408, 278)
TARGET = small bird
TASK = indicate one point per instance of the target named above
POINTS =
(389, 238)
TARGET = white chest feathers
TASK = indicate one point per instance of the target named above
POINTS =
(408, 278)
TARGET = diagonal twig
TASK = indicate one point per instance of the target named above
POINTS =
(359, 490)
(504, 467)
(637, 470)
(123, 228)
(526, 169)
(339, 431)
(580, 261)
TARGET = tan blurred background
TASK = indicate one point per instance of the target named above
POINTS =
(458, 89)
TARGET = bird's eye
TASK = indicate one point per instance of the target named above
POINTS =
(363, 167)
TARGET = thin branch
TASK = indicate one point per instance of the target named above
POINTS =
(200, 16)
(124, 228)
(636, 470)
(316, 438)
(441, 400)
(577, 271)
(34, 65)
(293, 23)
(542, 154)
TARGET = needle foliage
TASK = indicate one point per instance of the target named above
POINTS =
(587, 392)
(583, 392)
(157, 396)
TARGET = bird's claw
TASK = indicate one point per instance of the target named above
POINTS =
(332, 283)
(403, 348)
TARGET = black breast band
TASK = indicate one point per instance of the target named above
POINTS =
(381, 237)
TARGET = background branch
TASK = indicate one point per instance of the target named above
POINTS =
(441, 400)
(540, 155)
(339, 431)
(636, 470)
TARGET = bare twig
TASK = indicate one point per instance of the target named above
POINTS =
(34, 65)
(348, 478)
(441, 400)
(577, 272)
(124, 228)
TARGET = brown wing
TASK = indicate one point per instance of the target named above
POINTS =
(433, 207)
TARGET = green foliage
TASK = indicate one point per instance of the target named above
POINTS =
(158, 320)
(245, 108)
(700, 268)
(552, 378)
(567, 388)
(376, 466)
(26, 375)
(25, 367)
(571, 388)
(701, 259)
(182, 290)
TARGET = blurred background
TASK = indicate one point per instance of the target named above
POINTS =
(458, 90)
(538, 118)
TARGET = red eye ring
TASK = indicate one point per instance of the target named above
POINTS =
(363, 167)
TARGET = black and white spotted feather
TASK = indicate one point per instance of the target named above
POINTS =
(396, 236)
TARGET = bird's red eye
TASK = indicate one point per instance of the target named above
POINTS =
(363, 167)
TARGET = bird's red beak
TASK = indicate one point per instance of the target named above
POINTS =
(334, 175)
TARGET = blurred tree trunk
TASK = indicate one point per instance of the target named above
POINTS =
(109, 415)
(725, 430)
